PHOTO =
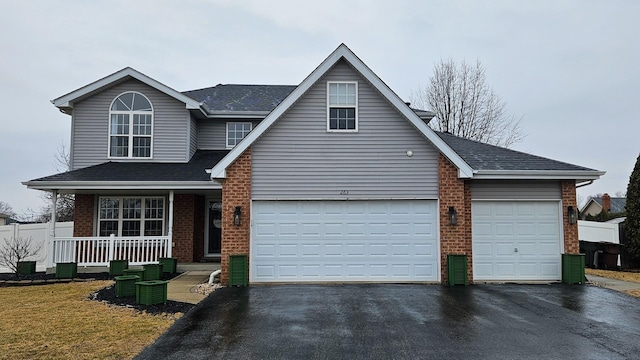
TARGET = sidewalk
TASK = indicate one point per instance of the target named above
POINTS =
(180, 287)
(613, 284)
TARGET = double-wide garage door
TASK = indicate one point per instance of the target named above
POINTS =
(516, 240)
(316, 241)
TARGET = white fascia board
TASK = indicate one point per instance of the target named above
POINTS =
(218, 171)
(122, 185)
(537, 175)
(66, 101)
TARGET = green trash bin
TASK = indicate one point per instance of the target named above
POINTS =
(457, 270)
(238, 270)
(573, 269)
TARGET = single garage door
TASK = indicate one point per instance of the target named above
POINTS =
(516, 240)
(315, 241)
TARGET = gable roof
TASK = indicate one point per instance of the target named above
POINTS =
(618, 204)
(489, 161)
(140, 175)
(66, 102)
(342, 52)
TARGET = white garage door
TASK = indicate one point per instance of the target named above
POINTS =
(307, 241)
(516, 240)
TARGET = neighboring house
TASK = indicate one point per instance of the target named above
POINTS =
(595, 205)
(336, 179)
(4, 219)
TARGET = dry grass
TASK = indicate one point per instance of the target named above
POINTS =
(58, 321)
(619, 275)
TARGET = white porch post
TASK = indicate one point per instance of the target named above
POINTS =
(52, 227)
(170, 231)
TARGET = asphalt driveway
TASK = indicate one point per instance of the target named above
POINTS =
(406, 322)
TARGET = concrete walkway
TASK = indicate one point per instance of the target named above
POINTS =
(613, 284)
(181, 288)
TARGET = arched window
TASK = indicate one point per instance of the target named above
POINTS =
(130, 126)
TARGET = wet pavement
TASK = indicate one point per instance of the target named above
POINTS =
(406, 322)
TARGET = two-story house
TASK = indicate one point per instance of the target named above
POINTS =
(335, 179)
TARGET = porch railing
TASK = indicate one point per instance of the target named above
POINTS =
(98, 251)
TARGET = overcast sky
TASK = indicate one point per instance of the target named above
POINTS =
(570, 68)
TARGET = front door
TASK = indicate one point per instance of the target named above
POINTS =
(214, 237)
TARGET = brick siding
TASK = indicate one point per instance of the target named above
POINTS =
(571, 244)
(83, 215)
(236, 191)
(454, 239)
(188, 227)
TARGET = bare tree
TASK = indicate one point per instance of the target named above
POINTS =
(65, 204)
(466, 106)
(17, 249)
(6, 209)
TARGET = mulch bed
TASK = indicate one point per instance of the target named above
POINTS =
(107, 294)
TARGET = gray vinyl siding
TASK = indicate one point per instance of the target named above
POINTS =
(515, 190)
(298, 159)
(90, 132)
(212, 133)
(193, 136)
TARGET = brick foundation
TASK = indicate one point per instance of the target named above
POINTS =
(236, 191)
(83, 215)
(454, 239)
(571, 243)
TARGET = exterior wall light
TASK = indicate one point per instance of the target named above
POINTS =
(572, 215)
(453, 216)
(237, 216)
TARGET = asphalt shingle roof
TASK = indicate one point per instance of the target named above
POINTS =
(481, 156)
(194, 170)
(618, 204)
(241, 97)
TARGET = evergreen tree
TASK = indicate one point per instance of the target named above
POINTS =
(633, 213)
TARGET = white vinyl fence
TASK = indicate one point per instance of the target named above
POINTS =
(598, 231)
(39, 234)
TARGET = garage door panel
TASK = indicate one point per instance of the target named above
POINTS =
(344, 241)
(531, 227)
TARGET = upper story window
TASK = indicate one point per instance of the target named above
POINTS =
(236, 131)
(342, 106)
(130, 126)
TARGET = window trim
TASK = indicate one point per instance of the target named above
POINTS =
(329, 106)
(226, 132)
(130, 136)
(142, 219)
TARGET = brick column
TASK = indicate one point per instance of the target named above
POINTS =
(184, 214)
(236, 191)
(83, 215)
(571, 243)
(454, 239)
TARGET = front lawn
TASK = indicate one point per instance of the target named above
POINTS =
(59, 321)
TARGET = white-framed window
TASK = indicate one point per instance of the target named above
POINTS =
(131, 216)
(342, 106)
(236, 131)
(130, 126)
